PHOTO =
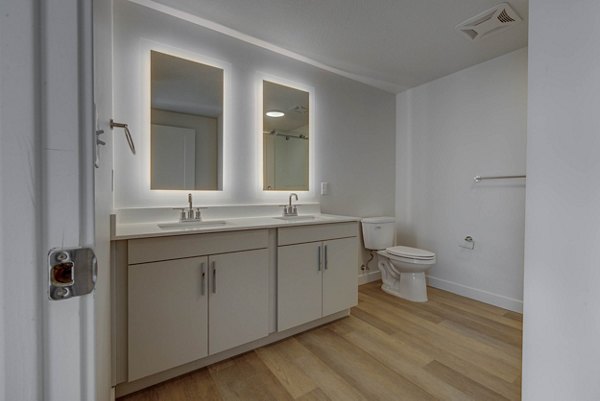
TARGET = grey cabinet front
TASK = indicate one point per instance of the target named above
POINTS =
(167, 315)
(315, 279)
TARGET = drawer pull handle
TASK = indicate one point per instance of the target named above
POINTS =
(202, 279)
(325, 258)
(214, 278)
(319, 259)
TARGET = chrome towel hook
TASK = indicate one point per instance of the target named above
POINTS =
(113, 124)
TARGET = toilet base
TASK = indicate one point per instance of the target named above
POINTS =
(410, 286)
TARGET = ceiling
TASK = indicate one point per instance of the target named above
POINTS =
(293, 102)
(391, 44)
(185, 86)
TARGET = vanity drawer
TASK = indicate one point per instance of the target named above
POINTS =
(185, 246)
(317, 232)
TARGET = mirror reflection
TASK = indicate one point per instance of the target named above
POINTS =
(285, 138)
(186, 124)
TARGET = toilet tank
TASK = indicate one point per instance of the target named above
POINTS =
(378, 232)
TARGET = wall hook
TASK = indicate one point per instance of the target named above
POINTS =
(114, 124)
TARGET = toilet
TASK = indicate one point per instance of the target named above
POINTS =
(402, 268)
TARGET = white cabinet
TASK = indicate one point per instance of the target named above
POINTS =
(299, 284)
(168, 311)
(182, 310)
(239, 300)
(315, 279)
(184, 301)
(340, 278)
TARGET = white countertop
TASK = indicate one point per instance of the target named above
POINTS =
(145, 230)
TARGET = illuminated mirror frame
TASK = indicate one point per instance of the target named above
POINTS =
(145, 151)
(311, 192)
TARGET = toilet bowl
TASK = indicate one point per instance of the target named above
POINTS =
(403, 272)
(402, 268)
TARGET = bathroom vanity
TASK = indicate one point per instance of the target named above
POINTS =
(190, 293)
(184, 298)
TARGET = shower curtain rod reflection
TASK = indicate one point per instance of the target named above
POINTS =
(287, 135)
(479, 178)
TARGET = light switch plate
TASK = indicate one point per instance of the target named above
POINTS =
(324, 188)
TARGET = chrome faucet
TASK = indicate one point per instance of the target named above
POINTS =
(190, 213)
(291, 210)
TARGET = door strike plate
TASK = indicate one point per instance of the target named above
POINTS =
(71, 272)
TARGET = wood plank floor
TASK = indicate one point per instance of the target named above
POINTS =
(450, 348)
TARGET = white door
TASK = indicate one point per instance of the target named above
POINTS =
(299, 284)
(340, 282)
(238, 303)
(46, 198)
(167, 315)
(173, 157)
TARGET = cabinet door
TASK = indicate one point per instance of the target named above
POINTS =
(239, 299)
(340, 279)
(167, 315)
(298, 284)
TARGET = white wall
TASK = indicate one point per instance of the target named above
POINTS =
(469, 123)
(21, 256)
(354, 124)
(561, 346)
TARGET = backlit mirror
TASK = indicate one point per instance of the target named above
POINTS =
(285, 138)
(186, 124)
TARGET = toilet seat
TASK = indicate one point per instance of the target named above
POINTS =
(410, 253)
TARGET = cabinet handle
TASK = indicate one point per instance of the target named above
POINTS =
(214, 278)
(319, 259)
(202, 278)
(325, 258)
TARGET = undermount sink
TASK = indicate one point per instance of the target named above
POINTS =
(297, 218)
(192, 224)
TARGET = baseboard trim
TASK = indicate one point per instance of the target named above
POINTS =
(368, 277)
(501, 301)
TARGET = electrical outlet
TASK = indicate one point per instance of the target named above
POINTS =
(324, 188)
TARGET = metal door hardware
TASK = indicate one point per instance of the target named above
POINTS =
(71, 272)
(99, 143)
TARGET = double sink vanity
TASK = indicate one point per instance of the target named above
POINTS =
(189, 294)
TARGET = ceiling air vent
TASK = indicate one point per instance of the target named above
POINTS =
(491, 21)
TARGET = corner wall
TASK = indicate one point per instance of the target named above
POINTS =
(470, 123)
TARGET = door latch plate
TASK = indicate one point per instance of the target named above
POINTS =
(71, 272)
